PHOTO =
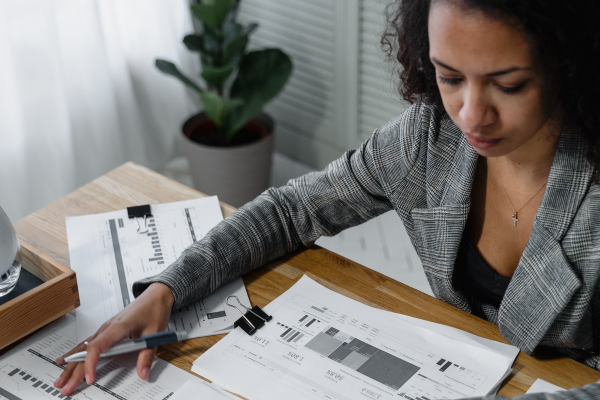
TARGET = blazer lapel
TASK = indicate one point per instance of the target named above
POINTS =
(440, 226)
(544, 281)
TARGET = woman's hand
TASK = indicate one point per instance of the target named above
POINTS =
(149, 313)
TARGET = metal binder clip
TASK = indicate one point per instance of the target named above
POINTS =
(139, 212)
(252, 320)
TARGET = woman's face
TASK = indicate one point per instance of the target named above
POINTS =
(488, 80)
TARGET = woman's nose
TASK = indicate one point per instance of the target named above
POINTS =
(476, 112)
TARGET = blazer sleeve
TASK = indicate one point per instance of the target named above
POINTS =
(346, 193)
(588, 392)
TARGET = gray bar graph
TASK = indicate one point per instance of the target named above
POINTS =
(119, 260)
(362, 357)
(8, 395)
(286, 332)
(293, 336)
(286, 337)
(445, 367)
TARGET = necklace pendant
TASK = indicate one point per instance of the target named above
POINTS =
(515, 219)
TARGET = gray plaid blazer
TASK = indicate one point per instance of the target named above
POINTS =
(420, 165)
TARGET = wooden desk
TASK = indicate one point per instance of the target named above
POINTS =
(132, 184)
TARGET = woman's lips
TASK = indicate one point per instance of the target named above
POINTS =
(480, 142)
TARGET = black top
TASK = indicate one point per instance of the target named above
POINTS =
(473, 276)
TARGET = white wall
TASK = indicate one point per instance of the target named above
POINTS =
(341, 89)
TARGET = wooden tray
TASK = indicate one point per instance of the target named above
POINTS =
(39, 306)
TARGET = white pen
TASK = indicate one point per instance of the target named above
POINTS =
(129, 345)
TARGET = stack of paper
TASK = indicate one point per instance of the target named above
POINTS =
(323, 345)
(109, 255)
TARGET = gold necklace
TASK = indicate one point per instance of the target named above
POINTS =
(514, 216)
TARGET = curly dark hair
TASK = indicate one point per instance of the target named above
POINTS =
(564, 37)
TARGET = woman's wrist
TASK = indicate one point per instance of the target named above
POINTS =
(163, 292)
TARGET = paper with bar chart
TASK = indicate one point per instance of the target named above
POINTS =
(109, 256)
(322, 345)
(28, 372)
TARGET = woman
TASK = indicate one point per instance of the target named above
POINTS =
(491, 170)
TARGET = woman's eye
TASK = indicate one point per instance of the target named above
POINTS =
(503, 89)
(449, 81)
(511, 90)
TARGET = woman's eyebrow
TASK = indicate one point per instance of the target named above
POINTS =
(497, 73)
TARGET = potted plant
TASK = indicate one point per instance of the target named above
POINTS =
(230, 143)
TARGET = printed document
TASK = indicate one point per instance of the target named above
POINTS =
(507, 350)
(109, 256)
(541, 386)
(28, 371)
(322, 345)
(201, 390)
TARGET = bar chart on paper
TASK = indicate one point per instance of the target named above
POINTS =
(28, 382)
(28, 371)
(30, 375)
(323, 346)
(109, 255)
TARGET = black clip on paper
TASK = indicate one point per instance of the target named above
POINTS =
(254, 319)
(139, 212)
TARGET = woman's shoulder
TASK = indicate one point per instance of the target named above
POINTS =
(408, 143)
(420, 124)
(420, 117)
(421, 129)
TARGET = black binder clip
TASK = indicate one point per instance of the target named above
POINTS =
(254, 319)
(139, 212)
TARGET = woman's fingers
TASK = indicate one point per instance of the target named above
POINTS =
(144, 362)
(66, 375)
(100, 344)
(80, 347)
(74, 380)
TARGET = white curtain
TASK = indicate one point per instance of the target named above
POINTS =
(79, 93)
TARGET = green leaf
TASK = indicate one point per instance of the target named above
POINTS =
(210, 41)
(206, 45)
(170, 69)
(216, 76)
(217, 108)
(236, 41)
(194, 42)
(261, 76)
(213, 12)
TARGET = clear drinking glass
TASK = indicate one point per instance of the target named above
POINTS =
(10, 255)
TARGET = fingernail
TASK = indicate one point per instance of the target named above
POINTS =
(88, 379)
(145, 373)
(59, 381)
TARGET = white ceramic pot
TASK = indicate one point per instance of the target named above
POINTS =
(236, 174)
